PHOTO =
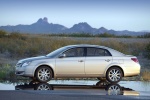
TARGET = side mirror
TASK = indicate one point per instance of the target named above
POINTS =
(62, 55)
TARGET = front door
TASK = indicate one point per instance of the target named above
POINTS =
(72, 65)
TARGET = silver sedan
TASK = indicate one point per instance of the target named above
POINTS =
(80, 61)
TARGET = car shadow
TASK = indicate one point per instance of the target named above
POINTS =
(103, 86)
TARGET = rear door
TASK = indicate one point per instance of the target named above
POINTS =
(96, 61)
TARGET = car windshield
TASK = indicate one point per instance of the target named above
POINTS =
(56, 52)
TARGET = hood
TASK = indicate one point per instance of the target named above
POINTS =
(33, 58)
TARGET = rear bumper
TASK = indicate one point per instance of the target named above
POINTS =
(132, 70)
(131, 74)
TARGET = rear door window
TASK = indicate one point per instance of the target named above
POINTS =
(97, 52)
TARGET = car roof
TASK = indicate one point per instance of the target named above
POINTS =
(86, 45)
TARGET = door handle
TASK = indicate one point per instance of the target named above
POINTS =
(80, 60)
(107, 60)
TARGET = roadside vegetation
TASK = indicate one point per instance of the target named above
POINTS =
(144, 36)
(145, 75)
(15, 46)
(91, 35)
(147, 51)
(7, 72)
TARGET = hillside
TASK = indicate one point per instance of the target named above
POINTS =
(42, 26)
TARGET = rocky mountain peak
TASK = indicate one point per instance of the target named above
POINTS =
(44, 20)
(82, 25)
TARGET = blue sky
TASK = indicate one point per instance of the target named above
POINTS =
(133, 15)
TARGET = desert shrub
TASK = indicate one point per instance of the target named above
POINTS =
(80, 35)
(145, 75)
(147, 35)
(124, 36)
(91, 35)
(136, 48)
(7, 71)
(105, 35)
(147, 51)
(17, 35)
(117, 45)
(3, 33)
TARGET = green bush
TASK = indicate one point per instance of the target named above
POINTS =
(7, 71)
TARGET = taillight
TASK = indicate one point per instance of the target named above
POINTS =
(135, 60)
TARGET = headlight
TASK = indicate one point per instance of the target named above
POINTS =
(26, 63)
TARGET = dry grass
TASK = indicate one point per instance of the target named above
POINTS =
(145, 75)
(20, 46)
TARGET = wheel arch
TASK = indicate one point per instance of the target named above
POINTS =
(46, 66)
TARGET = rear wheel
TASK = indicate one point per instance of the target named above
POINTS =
(43, 74)
(114, 89)
(114, 75)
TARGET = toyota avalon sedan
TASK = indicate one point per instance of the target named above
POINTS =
(80, 61)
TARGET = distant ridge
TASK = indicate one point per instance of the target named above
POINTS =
(42, 26)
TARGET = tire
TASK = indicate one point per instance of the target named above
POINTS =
(43, 74)
(114, 75)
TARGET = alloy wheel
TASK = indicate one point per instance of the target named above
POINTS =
(43, 74)
(114, 75)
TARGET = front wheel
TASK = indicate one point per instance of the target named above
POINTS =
(43, 86)
(114, 75)
(43, 74)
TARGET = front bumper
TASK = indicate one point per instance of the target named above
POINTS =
(24, 71)
(19, 72)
